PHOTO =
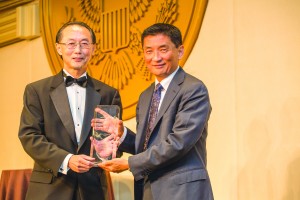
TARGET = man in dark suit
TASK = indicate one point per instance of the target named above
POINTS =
(55, 126)
(169, 148)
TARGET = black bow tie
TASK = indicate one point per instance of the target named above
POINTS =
(80, 81)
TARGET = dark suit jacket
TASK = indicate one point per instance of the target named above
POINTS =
(175, 161)
(47, 134)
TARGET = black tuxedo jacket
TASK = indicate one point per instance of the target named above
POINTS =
(47, 134)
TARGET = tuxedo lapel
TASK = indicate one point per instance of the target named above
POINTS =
(93, 99)
(61, 103)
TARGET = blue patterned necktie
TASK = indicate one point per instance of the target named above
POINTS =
(153, 112)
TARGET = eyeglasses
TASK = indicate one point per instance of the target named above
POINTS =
(73, 45)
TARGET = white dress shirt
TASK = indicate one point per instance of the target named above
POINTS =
(76, 96)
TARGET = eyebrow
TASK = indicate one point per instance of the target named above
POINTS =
(71, 39)
(161, 46)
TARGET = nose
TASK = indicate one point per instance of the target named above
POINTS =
(156, 55)
(77, 47)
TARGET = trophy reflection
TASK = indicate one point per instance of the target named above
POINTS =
(103, 146)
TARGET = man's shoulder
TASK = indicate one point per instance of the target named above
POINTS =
(192, 78)
(97, 84)
(43, 81)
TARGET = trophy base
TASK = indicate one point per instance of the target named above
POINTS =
(100, 159)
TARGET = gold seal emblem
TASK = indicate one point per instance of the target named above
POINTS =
(118, 24)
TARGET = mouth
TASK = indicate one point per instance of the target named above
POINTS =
(158, 66)
(77, 59)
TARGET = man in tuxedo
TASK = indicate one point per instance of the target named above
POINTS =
(169, 148)
(55, 125)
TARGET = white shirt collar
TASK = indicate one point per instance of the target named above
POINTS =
(68, 74)
(166, 81)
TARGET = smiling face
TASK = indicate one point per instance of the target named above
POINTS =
(75, 60)
(161, 55)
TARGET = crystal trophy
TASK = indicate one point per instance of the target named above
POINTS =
(102, 142)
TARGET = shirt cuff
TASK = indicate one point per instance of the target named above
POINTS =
(123, 136)
(64, 166)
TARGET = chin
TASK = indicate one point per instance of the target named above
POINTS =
(78, 67)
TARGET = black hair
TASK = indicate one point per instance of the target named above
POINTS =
(59, 33)
(166, 29)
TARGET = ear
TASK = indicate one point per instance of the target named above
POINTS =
(180, 51)
(93, 49)
(58, 48)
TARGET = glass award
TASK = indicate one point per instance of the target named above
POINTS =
(102, 143)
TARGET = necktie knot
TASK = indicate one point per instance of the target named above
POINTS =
(80, 81)
(158, 88)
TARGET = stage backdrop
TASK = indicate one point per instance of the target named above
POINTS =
(247, 53)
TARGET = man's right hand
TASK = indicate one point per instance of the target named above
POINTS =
(81, 163)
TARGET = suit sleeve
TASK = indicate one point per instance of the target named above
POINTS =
(32, 133)
(128, 145)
